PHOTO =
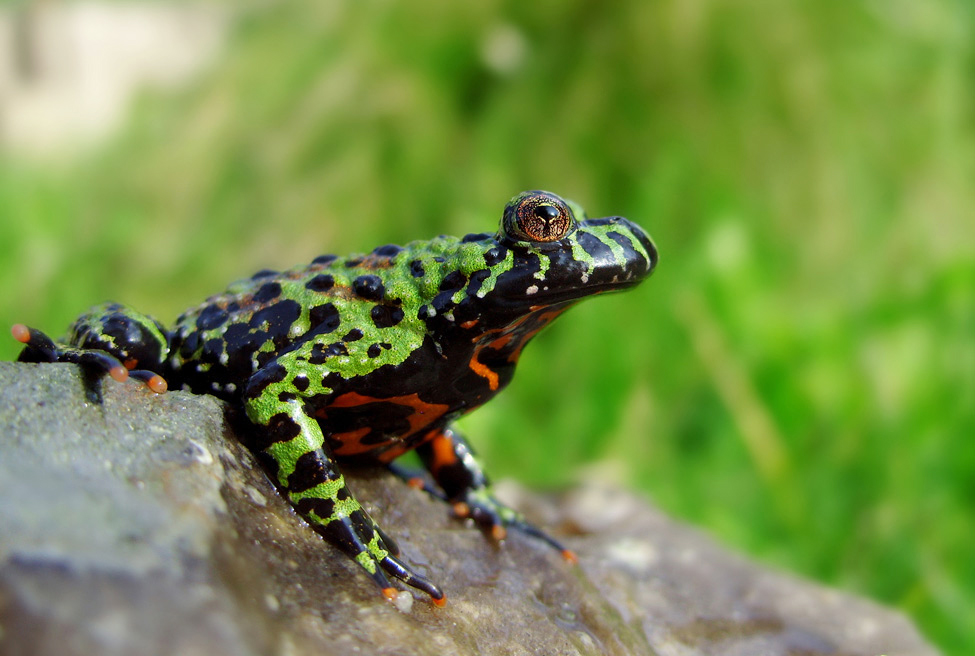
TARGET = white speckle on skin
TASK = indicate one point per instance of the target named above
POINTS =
(230, 387)
(224, 358)
(585, 278)
(532, 290)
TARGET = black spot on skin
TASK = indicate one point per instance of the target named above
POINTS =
(386, 345)
(282, 427)
(275, 373)
(443, 302)
(353, 263)
(309, 471)
(267, 292)
(325, 259)
(320, 283)
(212, 317)
(264, 273)
(317, 355)
(453, 281)
(369, 287)
(423, 312)
(277, 320)
(477, 279)
(374, 350)
(495, 255)
(301, 383)
(190, 345)
(264, 358)
(353, 335)
(386, 316)
(337, 348)
(212, 350)
(479, 236)
(320, 353)
(284, 397)
(389, 250)
(416, 269)
(324, 318)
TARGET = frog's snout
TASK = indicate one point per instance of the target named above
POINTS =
(639, 236)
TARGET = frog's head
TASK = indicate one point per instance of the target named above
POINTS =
(558, 256)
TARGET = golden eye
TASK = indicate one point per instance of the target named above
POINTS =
(537, 216)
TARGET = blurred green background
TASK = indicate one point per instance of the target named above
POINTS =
(798, 377)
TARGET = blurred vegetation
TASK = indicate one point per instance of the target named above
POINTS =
(798, 377)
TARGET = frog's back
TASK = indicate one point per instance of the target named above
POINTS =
(363, 311)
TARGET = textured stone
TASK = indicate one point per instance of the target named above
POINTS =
(132, 523)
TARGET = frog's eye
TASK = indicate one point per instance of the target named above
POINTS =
(537, 216)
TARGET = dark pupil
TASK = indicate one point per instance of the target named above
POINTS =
(546, 212)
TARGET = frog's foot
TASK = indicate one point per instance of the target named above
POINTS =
(361, 538)
(38, 347)
(495, 519)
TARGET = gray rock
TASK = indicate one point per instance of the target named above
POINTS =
(132, 523)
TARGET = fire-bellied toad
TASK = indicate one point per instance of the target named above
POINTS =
(369, 356)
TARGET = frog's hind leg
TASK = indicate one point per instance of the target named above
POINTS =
(450, 461)
(290, 443)
(109, 338)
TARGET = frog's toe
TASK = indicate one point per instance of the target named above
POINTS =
(152, 380)
(398, 569)
(495, 519)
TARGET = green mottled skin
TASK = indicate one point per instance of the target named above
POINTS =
(368, 356)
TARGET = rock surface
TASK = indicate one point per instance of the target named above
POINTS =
(132, 523)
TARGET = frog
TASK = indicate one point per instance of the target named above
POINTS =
(365, 357)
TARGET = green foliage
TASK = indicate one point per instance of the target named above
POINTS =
(799, 376)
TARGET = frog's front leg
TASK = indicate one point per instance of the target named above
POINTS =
(110, 338)
(450, 461)
(293, 451)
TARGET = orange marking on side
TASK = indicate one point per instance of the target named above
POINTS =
(469, 324)
(484, 371)
(443, 453)
(351, 443)
(423, 415)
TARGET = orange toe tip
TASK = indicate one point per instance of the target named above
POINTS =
(157, 384)
(119, 373)
(570, 556)
(416, 483)
(20, 332)
(390, 593)
(439, 603)
(462, 510)
(499, 532)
